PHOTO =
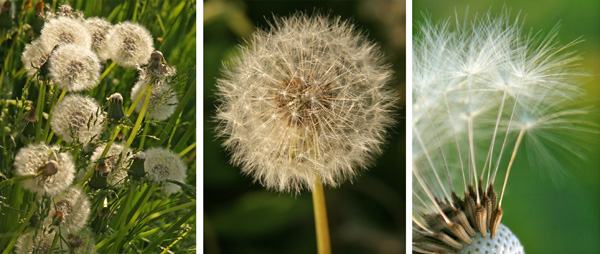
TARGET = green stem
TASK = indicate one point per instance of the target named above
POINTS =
(39, 111)
(186, 150)
(17, 179)
(144, 133)
(139, 120)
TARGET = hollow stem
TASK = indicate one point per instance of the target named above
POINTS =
(320, 210)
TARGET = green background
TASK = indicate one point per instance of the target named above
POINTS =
(550, 214)
(367, 216)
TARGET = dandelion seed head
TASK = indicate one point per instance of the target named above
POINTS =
(34, 56)
(29, 243)
(70, 210)
(64, 30)
(73, 68)
(34, 157)
(480, 90)
(163, 100)
(77, 117)
(129, 44)
(161, 165)
(307, 98)
(114, 161)
(99, 29)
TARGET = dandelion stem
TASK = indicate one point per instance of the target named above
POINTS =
(39, 111)
(187, 149)
(106, 71)
(144, 133)
(138, 122)
(512, 159)
(320, 210)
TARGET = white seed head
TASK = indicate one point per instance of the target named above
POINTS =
(70, 210)
(77, 117)
(99, 29)
(34, 56)
(76, 242)
(129, 44)
(479, 90)
(163, 101)
(161, 165)
(74, 68)
(307, 98)
(34, 157)
(114, 165)
(29, 243)
(63, 30)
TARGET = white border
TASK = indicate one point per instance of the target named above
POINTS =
(409, 26)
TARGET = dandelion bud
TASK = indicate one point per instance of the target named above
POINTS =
(70, 210)
(62, 31)
(307, 99)
(50, 169)
(163, 100)
(99, 177)
(58, 169)
(77, 117)
(137, 166)
(115, 106)
(162, 165)
(129, 44)
(73, 68)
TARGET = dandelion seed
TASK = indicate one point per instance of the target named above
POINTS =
(478, 91)
(129, 44)
(35, 56)
(73, 68)
(56, 169)
(62, 31)
(306, 99)
(113, 163)
(77, 117)
(99, 29)
(163, 100)
(163, 165)
(70, 210)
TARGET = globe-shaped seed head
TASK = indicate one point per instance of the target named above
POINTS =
(64, 30)
(74, 68)
(162, 165)
(307, 98)
(55, 169)
(77, 117)
(129, 44)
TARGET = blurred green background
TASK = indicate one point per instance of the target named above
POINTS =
(367, 216)
(550, 216)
